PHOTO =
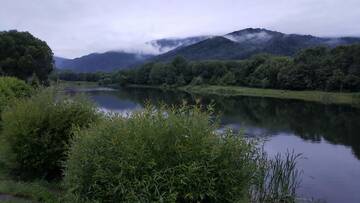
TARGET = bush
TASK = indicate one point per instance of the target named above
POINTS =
(12, 88)
(36, 132)
(165, 155)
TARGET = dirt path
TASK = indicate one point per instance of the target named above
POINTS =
(6, 197)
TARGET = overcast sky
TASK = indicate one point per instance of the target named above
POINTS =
(76, 27)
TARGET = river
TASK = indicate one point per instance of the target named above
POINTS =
(328, 136)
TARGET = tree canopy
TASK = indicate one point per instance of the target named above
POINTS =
(22, 55)
(318, 68)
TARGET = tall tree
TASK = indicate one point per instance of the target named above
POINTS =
(22, 55)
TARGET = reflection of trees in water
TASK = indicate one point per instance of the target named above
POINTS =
(338, 124)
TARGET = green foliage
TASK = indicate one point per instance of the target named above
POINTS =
(68, 75)
(197, 81)
(228, 79)
(22, 55)
(336, 81)
(316, 68)
(36, 132)
(163, 155)
(266, 74)
(12, 88)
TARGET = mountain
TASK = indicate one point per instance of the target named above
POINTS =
(60, 61)
(110, 61)
(168, 44)
(235, 45)
(106, 62)
(245, 43)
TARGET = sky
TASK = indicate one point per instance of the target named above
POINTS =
(73, 28)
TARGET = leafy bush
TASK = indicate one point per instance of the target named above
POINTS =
(36, 132)
(11, 88)
(165, 155)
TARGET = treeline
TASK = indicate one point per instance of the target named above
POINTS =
(318, 68)
(68, 75)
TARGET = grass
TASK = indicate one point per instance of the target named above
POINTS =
(317, 96)
(71, 84)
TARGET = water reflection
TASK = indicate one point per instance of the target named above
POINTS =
(337, 124)
(328, 135)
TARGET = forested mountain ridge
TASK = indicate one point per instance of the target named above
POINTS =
(114, 60)
(244, 43)
(236, 45)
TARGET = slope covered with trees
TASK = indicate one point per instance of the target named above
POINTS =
(319, 68)
(245, 43)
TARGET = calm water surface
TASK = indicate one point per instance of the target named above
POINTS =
(328, 136)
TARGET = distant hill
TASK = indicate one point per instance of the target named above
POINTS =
(244, 43)
(106, 62)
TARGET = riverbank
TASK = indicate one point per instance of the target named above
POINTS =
(316, 96)
(70, 84)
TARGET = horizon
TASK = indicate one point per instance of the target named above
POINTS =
(73, 28)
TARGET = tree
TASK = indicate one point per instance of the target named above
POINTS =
(180, 81)
(352, 83)
(22, 55)
(179, 63)
(266, 74)
(336, 81)
(158, 74)
(228, 79)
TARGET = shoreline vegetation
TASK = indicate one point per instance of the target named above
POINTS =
(226, 91)
(178, 156)
(348, 98)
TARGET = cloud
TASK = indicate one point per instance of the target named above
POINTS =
(77, 27)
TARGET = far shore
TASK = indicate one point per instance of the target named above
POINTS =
(316, 96)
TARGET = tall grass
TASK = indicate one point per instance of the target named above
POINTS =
(36, 131)
(161, 155)
(11, 89)
(277, 179)
(174, 155)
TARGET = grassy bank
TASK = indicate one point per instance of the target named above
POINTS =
(316, 96)
(74, 84)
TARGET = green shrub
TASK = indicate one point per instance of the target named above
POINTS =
(11, 88)
(164, 155)
(36, 132)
